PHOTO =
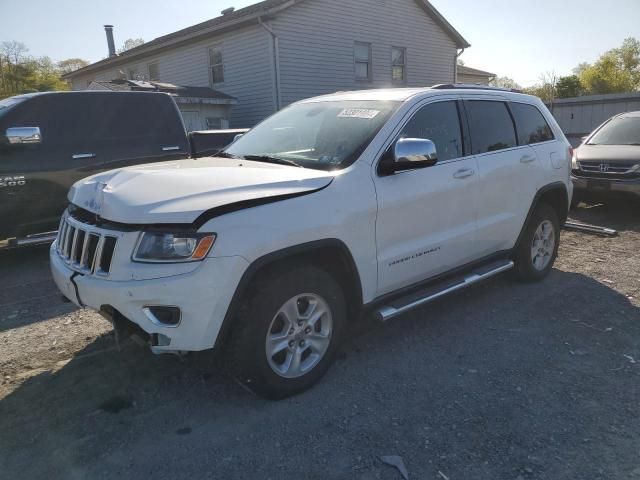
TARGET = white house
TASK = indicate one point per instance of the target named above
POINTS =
(276, 52)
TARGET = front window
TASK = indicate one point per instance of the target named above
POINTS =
(619, 131)
(215, 65)
(323, 135)
(7, 103)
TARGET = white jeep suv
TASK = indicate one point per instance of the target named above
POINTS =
(372, 201)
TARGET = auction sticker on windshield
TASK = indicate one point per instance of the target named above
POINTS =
(358, 113)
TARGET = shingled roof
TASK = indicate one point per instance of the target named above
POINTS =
(236, 19)
(181, 91)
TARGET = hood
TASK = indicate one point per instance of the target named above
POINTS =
(608, 153)
(180, 191)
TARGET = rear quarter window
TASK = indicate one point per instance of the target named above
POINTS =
(490, 125)
(531, 124)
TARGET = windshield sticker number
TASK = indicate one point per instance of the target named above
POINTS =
(365, 113)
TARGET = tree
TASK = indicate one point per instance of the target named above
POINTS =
(71, 65)
(21, 73)
(616, 71)
(568, 86)
(130, 43)
(505, 82)
(546, 89)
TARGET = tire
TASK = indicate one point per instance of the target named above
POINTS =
(301, 293)
(543, 228)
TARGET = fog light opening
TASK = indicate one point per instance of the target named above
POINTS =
(159, 340)
(165, 316)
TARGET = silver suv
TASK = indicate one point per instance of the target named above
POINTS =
(608, 161)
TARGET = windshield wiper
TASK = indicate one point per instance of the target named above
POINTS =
(270, 159)
(228, 155)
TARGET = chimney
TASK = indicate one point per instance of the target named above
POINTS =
(108, 29)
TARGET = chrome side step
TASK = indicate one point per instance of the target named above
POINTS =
(37, 239)
(410, 302)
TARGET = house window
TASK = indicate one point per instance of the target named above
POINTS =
(362, 58)
(215, 123)
(399, 65)
(215, 65)
(132, 74)
(154, 73)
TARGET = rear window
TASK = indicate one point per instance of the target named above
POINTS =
(531, 125)
(491, 126)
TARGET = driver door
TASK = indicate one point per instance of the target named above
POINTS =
(426, 222)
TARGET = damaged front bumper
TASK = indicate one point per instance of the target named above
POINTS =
(202, 297)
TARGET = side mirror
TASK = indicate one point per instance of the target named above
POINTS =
(410, 153)
(23, 135)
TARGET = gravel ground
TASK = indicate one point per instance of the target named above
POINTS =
(503, 381)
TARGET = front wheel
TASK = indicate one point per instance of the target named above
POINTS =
(538, 247)
(289, 335)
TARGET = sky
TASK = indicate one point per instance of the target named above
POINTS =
(513, 38)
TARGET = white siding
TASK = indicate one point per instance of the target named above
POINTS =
(317, 39)
(248, 71)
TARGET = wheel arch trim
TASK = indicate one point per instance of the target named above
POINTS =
(277, 256)
(551, 187)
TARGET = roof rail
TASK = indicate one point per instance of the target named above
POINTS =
(472, 86)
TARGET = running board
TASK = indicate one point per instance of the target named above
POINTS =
(431, 293)
(36, 239)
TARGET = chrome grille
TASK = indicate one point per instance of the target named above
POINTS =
(84, 248)
(603, 167)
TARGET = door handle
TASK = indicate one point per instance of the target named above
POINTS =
(170, 149)
(79, 156)
(527, 159)
(464, 173)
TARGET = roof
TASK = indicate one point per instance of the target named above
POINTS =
(404, 94)
(235, 19)
(464, 70)
(176, 90)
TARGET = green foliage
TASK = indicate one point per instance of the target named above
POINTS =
(22, 73)
(616, 71)
(71, 64)
(568, 86)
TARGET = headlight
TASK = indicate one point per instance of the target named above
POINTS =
(157, 247)
(574, 162)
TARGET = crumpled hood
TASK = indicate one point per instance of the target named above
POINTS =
(180, 191)
(608, 153)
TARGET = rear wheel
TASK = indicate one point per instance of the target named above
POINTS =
(539, 245)
(288, 336)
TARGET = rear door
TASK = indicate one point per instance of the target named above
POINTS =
(534, 130)
(505, 187)
(135, 128)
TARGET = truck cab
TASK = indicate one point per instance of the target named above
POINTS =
(49, 141)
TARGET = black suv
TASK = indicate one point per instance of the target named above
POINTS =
(48, 141)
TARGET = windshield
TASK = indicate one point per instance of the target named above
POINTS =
(9, 102)
(322, 135)
(619, 131)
